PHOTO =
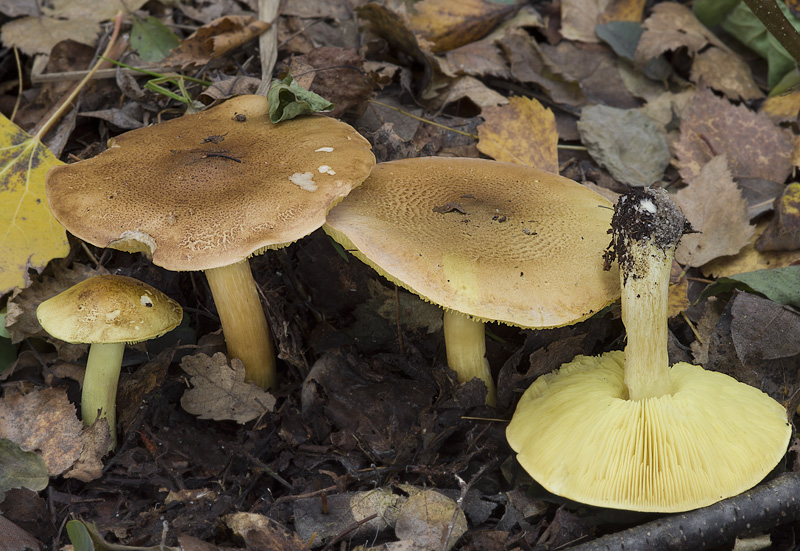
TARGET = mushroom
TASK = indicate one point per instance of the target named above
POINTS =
(486, 241)
(626, 431)
(107, 311)
(207, 191)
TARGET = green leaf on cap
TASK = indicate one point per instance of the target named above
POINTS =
(288, 100)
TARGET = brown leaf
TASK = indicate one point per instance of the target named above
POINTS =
(669, 27)
(580, 17)
(43, 421)
(783, 231)
(448, 25)
(474, 90)
(714, 206)
(623, 10)
(96, 442)
(522, 132)
(220, 392)
(726, 72)
(215, 39)
(481, 58)
(15, 538)
(782, 108)
(754, 145)
(750, 259)
(38, 35)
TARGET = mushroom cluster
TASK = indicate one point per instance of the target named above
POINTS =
(107, 312)
(209, 190)
(626, 430)
(486, 241)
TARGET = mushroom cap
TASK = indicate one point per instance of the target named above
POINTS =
(109, 309)
(711, 438)
(210, 189)
(492, 240)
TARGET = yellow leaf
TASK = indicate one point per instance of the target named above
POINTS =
(522, 132)
(29, 235)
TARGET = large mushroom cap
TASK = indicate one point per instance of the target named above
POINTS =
(109, 309)
(207, 190)
(710, 438)
(492, 240)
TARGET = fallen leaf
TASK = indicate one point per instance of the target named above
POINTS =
(626, 142)
(31, 236)
(15, 538)
(427, 519)
(522, 132)
(782, 108)
(262, 533)
(622, 10)
(749, 259)
(151, 39)
(763, 330)
(780, 285)
(96, 443)
(215, 39)
(481, 58)
(38, 35)
(726, 72)
(714, 206)
(580, 17)
(754, 146)
(760, 194)
(44, 421)
(21, 469)
(474, 90)
(413, 312)
(783, 230)
(448, 25)
(219, 391)
(91, 10)
(672, 26)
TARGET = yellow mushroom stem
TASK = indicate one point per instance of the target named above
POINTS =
(465, 341)
(243, 321)
(644, 313)
(99, 396)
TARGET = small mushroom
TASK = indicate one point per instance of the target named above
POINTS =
(206, 192)
(626, 430)
(487, 241)
(107, 312)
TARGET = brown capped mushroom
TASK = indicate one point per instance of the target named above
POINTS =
(626, 430)
(107, 312)
(207, 191)
(487, 241)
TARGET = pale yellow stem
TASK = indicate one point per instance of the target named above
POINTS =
(465, 341)
(99, 395)
(243, 321)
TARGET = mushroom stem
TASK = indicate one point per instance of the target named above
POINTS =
(647, 227)
(243, 321)
(465, 341)
(99, 396)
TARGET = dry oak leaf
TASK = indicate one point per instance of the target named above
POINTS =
(754, 146)
(726, 72)
(220, 392)
(522, 132)
(448, 25)
(215, 39)
(670, 27)
(43, 421)
(29, 234)
(714, 206)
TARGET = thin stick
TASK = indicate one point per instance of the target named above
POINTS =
(19, 87)
(778, 26)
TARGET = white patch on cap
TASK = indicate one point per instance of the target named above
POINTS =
(325, 169)
(111, 316)
(324, 149)
(146, 301)
(648, 205)
(304, 179)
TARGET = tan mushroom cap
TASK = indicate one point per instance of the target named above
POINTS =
(207, 190)
(109, 309)
(712, 437)
(492, 240)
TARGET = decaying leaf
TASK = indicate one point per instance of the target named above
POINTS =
(783, 231)
(96, 442)
(783, 108)
(672, 26)
(426, 519)
(38, 35)
(215, 39)
(749, 259)
(714, 206)
(622, 10)
(522, 132)
(21, 469)
(580, 17)
(219, 391)
(448, 25)
(725, 71)
(754, 146)
(44, 421)
(626, 142)
(31, 236)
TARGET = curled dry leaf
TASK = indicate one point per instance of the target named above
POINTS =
(448, 25)
(220, 392)
(215, 39)
(672, 26)
(521, 132)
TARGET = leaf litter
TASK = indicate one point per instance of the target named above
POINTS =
(370, 439)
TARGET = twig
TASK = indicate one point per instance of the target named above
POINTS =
(762, 508)
(778, 26)
(347, 530)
